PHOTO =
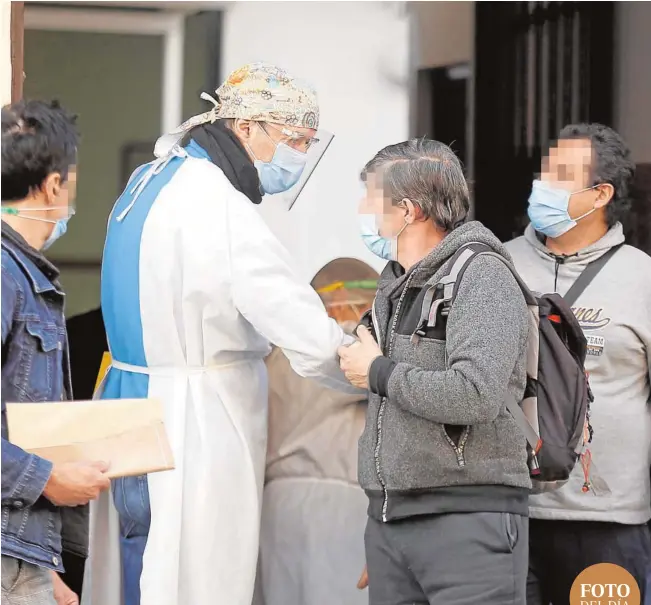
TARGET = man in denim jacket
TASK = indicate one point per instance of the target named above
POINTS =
(39, 518)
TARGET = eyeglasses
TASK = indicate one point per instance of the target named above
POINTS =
(295, 139)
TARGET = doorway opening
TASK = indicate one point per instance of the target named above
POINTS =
(443, 107)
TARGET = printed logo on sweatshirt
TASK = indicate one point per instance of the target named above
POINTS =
(591, 318)
(595, 345)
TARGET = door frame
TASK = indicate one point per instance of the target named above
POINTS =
(169, 25)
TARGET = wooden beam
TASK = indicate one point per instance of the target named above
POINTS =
(17, 50)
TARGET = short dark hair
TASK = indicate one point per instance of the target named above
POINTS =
(38, 138)
(429, 174)
(611, 163)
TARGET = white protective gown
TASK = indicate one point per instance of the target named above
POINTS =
(194, 287)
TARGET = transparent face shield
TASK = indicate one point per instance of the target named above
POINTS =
(314, 148)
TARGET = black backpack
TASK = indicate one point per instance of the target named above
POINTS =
(554, 413)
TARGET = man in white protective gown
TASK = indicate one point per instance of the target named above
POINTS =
(313, 511)
(195, 287)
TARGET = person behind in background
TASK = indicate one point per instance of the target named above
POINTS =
(42, 504)
(313, 510)
(442, 461)
(575, 209)
(195, 287)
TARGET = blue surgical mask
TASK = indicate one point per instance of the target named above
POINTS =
(384, 247)
(549, 209)
(378, 245)
(60, 228)
(283, 171)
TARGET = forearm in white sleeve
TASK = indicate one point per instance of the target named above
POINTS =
(281, 307)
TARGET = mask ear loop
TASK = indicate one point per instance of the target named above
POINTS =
(18, 212)
(397, 235)
(255, 157)
(589, 212)
(407, 223)
(274, 143)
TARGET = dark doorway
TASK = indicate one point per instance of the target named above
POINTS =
(538, 66)
(443, 114)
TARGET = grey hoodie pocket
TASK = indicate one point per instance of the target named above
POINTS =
(457, 441)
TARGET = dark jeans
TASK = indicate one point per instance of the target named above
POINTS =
(131, 496)
(560, 550)
(451, 559)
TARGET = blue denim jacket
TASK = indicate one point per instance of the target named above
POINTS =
(35, 367)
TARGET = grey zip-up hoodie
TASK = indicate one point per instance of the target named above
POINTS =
(615, 314)
(438, 437)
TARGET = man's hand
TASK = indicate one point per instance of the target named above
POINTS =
(356, 359)
(76, 483)
(62, 594)
(362, 583)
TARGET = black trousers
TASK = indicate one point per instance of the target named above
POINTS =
(560, 550)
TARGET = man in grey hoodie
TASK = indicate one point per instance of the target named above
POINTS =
(575, 209)
(442, 462)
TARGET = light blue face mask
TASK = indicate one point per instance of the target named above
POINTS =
(384, 247)
(549, 209)
(60, 225)
(283, 171)
(60, 228)
(378, 245)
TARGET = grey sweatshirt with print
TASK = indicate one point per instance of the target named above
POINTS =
(458, 384)
(615, 314)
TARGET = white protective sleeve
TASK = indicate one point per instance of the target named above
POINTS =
(281, 307)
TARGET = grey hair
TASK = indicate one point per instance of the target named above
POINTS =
(427, 173)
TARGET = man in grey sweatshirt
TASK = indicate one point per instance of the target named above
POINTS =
(442, 462)
(575, 209)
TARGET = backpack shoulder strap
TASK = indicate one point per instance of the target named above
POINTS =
(588, 274)
(457, 265)
(441, 291)
(488, 251)
(448, 285)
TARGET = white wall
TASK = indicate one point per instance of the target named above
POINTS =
(356, 55)
(633, 83)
